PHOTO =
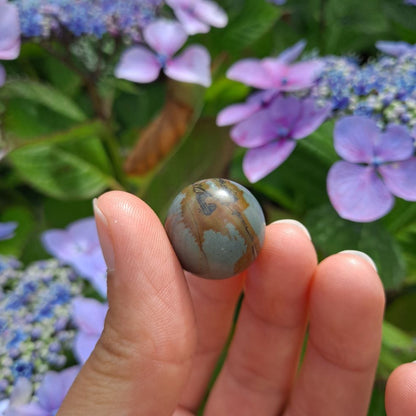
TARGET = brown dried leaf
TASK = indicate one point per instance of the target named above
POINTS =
(160, 136)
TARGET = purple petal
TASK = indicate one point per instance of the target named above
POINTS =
(91, 266)
(59, 244)
(236, 113)
(256, 131)
(54, 388)
(84, 233)
(310, 119)
(285, 111)
(357, 192)
(193, 65)
(9, 31)
(260, 161)
(400, 178)
(164, 36)
(31, 409)
(393, 48)
(84, 345)
(250, 72)
(191, 24)
(211, 13)
(301, 75)
(89, 315)
(2, 76)
(291, 54)
(7, 230)
(354, 138)
(394, 144)
(138, 64)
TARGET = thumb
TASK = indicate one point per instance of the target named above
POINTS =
(143, 357)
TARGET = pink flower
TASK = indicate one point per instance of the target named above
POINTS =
(271, 134)
(277, 73)
(165, 37)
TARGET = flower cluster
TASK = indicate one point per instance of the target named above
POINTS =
(375, 134)
(42, 18)
(35, 321)
(384, 89)
(270, 122)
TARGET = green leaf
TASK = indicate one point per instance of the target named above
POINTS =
(402, 311)
(204, 153)
(377, 402)
(69, 165)
(26, 224)
(397, 348)
(253, 20)
(332, 234)
(45, 95)
(25, 120)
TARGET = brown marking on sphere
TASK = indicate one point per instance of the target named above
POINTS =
(214, 214)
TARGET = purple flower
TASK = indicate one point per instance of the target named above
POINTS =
(278, 2)
(278, 73)
(165, 37)
(79, 247)
(377, 165)
(271, 134)
(395, 48)
(89, 316)
(7, 230)
(411, 2)
(238, 112)
(259, 100)
(9, 34)
(196, 16)
(50, 395)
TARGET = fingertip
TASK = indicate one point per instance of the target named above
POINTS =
(346, 308)
(349, 273)
(401, 391)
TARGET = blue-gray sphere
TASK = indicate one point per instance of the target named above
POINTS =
(216, 228)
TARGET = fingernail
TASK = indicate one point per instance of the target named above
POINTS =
(105, 239)
(364, 256)
(296, 223)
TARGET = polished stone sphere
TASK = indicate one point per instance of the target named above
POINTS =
(216, 228)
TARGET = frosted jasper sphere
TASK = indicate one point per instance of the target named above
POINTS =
(216, 228)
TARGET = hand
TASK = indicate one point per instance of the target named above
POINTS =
(165, 330)
(401, 391)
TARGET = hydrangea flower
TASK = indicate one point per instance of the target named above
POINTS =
(9, 35)
(7, 230)
(89, 316)
(196, 16)
(36, 330)
(377, 166)
(395, 48)
(383, 89)
(49, 395)
(165, 37)
(43, 18)
(261, 99)
(277, 73)
(79, 247)
(271, 134)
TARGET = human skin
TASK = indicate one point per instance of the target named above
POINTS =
(166, 329)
